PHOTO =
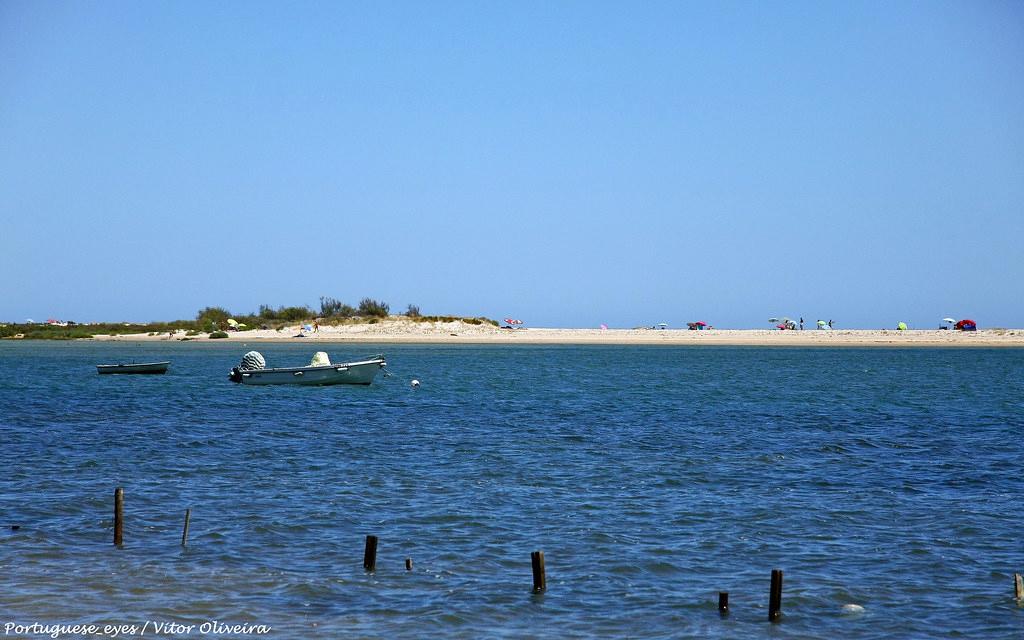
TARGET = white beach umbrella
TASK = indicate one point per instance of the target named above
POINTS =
(949, 320)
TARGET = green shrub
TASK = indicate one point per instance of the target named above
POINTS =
(413, 311)
(331, 308)
(217, 316)
(373, 308)
(289, 314)
(292, 314)
(218, 334)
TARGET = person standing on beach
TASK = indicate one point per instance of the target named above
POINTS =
(830, 323)
(316, 325)
(801, 323)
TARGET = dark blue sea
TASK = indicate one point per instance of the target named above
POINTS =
(651, 477)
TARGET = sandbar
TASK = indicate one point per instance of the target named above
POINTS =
(404, 331)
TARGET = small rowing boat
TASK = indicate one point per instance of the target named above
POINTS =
(141, 367)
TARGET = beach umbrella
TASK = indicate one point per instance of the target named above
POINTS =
(604, 327)
(662, 324)
(773, 320)
(232, 322)
(949, 320)
(513, 321)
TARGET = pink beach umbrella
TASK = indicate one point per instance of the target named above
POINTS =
(513, 321)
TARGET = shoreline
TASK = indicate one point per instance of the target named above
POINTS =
(404, 332)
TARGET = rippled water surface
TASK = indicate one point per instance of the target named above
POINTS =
(651, 477)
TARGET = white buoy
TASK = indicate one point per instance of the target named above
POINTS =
(415, 383)
(851, 609)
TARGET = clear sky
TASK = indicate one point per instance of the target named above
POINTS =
(566, 163)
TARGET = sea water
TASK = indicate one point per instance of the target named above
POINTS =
(651, 477)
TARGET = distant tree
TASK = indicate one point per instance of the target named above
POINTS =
(371, 307)
(215, 316)
(346, 311)
(294, 313)
(267, 312)
(413, 311)
(329, 306)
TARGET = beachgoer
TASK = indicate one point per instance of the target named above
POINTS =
(316, 326)
(801, 323)
(830, 324)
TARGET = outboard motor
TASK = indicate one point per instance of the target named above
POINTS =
(250, 362)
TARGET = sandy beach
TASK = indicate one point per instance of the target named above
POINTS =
(403, 331)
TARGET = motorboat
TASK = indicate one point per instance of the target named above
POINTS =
(320, 371)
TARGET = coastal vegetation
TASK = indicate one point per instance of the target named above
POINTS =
(216, 321)
(368, 308)
(74, 331)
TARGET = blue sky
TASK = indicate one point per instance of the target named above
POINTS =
(567, 163)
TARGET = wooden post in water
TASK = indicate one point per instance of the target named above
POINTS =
(184, 532)
(723, 603)
(370, 554)
(539, 579)
(408, 564)
(118, 516)
(775, 596)
(1018, 587)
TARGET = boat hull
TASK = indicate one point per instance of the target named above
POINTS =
(140, 368)
(345, 373)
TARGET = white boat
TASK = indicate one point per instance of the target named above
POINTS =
(320, 371)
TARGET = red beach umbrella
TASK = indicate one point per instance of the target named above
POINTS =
(513, 321)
